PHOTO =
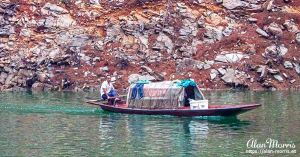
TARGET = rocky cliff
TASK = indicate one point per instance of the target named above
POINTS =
(74, 44)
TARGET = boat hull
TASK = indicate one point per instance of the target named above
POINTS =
(213, 110)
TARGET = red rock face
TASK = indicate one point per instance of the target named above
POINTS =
(75, 45)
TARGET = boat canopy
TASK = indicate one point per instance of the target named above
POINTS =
(162, 95)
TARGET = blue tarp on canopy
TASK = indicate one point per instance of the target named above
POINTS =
(186, 83)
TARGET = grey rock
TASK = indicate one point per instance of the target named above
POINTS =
(275, 29)
(293, 81)
(297, 68)
(234, 77)
(95, 2)
(42, 77)
(8, 79)
(273, 71)
(6, 30)
(166, 41)
(25, 32)
(147, 77)
(213, 33)
(185, 31)
(288, 65)
(278, 50)
(251, 19)
(227, 31)
(208, 64)
(270, 5)
(80, 40)
(3, 77)
(230, 57)
(298, 38)
(201, 22)
(185, 63)
(147, 69)
(213, 74)
(99, 45)
(291, 26)
(105, 69)
(54, 53)
(262, 32)
(198, 1)
(262, 70)
(52, 8)
(278, 78)
(232, 4)
(219, 1)
(62, 21)
(38, 87)
(65, 21)
(222, 71)
(133, 78)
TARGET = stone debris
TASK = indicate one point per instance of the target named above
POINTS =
(230, 57)
(278, 78)
(277, 50)
(234, 77)
(262, 32)
(288, 65)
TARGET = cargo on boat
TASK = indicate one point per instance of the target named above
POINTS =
(178, 98)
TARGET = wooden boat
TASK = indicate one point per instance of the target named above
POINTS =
(213, 110)
(171, 98)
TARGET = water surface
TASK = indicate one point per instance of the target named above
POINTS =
(61, 124)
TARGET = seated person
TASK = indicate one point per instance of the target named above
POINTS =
(108, 91)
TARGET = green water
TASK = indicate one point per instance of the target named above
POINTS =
(61, 124)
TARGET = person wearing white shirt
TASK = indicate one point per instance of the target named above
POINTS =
(107, 90)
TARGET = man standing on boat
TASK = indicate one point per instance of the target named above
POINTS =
(107, 90)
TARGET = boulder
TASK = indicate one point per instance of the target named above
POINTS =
(278, 50)
(8, 79)
(99, 45)
(262, 32)
(288, 65)
(222, 71)
(273, 71)
(49, 8)
(275, 29)
(227, 31)
(147, 77)
(291, 26)
(298, 38)
(94, 2)
(6, 31)
(234, 77)
(213, 74)
(278, 78)
(230, 57)
(37, 87)
(3, 77)
(42, 77)
(232, 4)
(213, 33)
(105, 69)
(297, 68)
(185, 63)
(251, 19)
(168, 44)
(133, 78)
(208, 64)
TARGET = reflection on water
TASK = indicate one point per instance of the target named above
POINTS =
(61, 124)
